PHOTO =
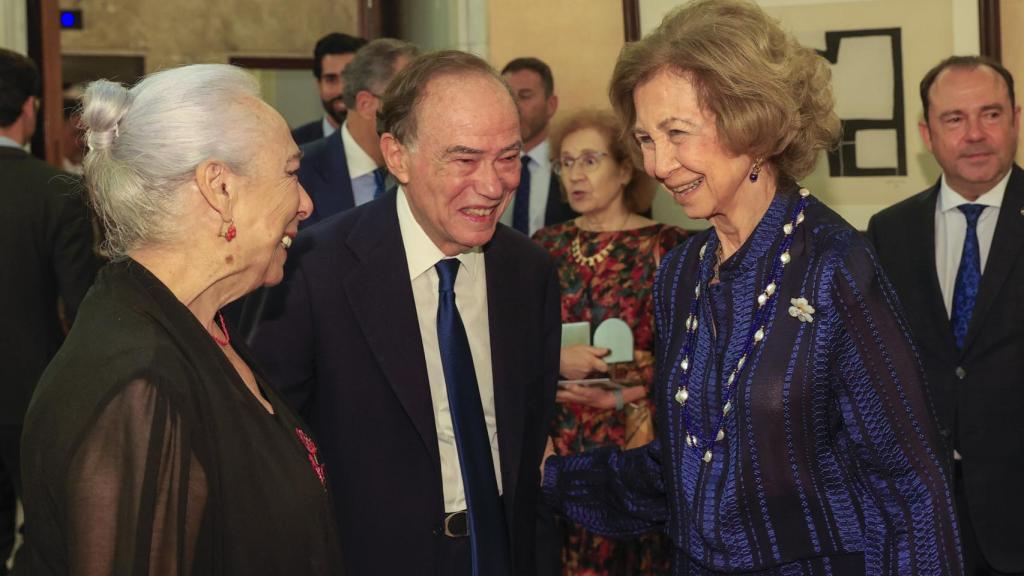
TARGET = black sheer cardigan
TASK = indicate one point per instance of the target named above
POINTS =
(144, 452)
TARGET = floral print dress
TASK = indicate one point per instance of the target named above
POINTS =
(619, 286)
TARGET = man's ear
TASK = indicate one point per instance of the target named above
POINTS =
(396, 156)
(926, 134)
(214, 182)
(552, 105)
(366, 105)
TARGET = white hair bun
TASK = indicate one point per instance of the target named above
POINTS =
(103, 106)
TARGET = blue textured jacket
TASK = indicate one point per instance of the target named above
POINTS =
(831, 461)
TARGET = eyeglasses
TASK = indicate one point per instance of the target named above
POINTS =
(588, 162)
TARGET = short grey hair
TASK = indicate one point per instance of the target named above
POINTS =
(146, 143)
(373, 67)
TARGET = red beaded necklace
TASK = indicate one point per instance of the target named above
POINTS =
(224, 328)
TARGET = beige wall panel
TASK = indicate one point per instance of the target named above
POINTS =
(175, 32)
(1011, 13)
(579, 39)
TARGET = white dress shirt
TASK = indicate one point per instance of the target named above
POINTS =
(471, 300)
(360, 168)
(540, 184)
(328, 127)
(8, 143)
(951, 229)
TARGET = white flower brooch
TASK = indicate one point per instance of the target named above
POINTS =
(801, 310)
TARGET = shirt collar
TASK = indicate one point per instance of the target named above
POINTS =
(950, 200)
(359, 162)
(6, 142)
(540, 154)
(327, 127)
(421, 253)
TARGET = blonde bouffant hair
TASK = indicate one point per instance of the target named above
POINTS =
(771, 97)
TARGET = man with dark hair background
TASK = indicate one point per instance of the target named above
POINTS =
(955, 254)
(332, 54)
(538, 201)
(46, 255)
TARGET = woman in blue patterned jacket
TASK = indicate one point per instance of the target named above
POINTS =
(796, 434)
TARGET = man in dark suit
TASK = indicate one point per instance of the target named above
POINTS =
(346, 169)
(955, 254)
(331, 55)
(538, 200)
(420, 339)
(46, 255)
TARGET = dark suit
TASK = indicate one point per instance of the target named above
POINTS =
(308, 132)
(324, 174)
(558, 209)
(342, 342)
(978, 392)
(46, 254)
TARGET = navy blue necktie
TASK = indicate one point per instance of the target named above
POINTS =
(486, 519)
(968, 276)
(521, 208)
(379, 176)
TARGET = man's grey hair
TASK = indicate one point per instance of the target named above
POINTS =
(146, 143)
(373, 67)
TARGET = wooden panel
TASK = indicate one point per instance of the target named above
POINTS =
(988, 20)
(44, 49)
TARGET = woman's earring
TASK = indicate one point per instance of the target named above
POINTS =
(228, 230)
(227, 227)
(755, 170)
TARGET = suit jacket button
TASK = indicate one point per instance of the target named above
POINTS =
(961, 373)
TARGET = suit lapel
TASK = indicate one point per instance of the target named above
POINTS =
(380, 294)
(504, 304)
(1006, 245)
(922, 234)
(333, 169)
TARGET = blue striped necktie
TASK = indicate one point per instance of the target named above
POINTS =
(486, 519)
(968, 276)
(379, 177)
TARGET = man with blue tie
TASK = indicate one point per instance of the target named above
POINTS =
(346, 169)
(538, 201)
(420, 339)
(955, 254)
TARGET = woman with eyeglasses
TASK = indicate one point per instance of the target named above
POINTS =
(606, 260)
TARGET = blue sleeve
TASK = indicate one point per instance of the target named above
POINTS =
(609, 492)
(909, 520)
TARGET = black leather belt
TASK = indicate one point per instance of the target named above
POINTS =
(456, 524)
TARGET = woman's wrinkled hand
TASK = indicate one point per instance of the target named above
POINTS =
(577, 362)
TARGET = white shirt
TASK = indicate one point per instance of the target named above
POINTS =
(6, 142)
(328, 127)
(951, 228)
(359, 165)
(540, 184)
(471, 300)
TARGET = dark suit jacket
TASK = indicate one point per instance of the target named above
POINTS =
(978, 392)
(341, 341)
(324, 174)
(45, 252)
(558, 209)
(309, 132)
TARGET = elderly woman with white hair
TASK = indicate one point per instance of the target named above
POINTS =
(152, 444)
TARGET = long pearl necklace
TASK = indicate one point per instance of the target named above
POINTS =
(765, 303)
